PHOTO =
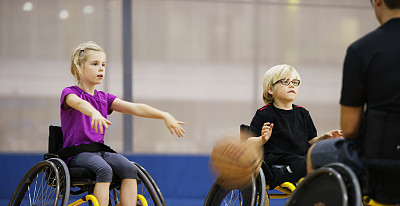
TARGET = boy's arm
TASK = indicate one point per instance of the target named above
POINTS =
(71, 100)
(143, 110)
(266, 132)
(350, 123)
(329, 135)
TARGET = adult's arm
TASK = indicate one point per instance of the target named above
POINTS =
(350, 120)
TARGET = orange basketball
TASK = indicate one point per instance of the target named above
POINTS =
(235, 162)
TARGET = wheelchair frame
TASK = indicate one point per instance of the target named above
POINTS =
(49, 183)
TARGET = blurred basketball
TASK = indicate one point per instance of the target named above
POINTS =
(235, 162)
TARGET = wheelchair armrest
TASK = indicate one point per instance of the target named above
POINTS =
(279, 166)
(50, 155)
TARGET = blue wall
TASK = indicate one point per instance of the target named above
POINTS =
(183, 180)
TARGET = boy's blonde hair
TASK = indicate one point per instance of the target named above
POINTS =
(80, 55)
(274, 74)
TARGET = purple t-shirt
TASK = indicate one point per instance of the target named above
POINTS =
(75, 125)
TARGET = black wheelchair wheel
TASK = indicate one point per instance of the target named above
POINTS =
(65, 181)
(152, 182)
(39, 186)
(324, 186)
(254, 195)
(351, 182)
(146, 187)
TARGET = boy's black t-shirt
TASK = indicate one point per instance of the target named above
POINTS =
(292, 129)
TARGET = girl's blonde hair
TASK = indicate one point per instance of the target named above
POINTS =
(80, 55)
(275, 74)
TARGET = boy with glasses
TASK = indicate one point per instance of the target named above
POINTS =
(286, 130)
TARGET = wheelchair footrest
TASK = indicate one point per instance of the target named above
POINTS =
(84, 199)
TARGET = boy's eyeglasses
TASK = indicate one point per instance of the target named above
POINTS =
(286, 82)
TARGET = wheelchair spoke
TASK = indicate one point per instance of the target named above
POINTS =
(234, 197)
(145, 193)
(39, 187)
(40, 191)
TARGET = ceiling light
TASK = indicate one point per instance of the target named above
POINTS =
(88, 9)
(28, 6)
(64, 14)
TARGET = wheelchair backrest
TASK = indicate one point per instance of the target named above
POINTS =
(244, 131)
(381, 135)
(381, 152)
(55, 138)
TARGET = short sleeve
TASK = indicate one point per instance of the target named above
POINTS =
(110, 100)
(262, 115)
(353, 83)
(311, 130)
(65, 92)
(256, 124)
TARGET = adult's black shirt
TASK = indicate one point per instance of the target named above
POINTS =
(371, 71)
(292, 129)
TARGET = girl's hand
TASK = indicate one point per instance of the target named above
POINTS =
(266, 131)
(99, 121)
(173, 125)
(333, 134)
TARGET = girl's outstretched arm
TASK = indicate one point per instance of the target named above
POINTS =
(71, 100)
(143, 110)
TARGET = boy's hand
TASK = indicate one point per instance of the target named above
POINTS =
(99, 121)
(173, 125)
(266, 131)
(333, 134)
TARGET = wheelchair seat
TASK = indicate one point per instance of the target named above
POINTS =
(81, 177)
(78, 175)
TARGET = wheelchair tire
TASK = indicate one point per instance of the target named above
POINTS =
(153, 183)
(324, 186)
(254, 195)
(146, 187)
(64, 179)
(39, 186)
(351, 182)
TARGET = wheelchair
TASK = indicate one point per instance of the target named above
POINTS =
(336, 184)
(51, 182)
(255, 194)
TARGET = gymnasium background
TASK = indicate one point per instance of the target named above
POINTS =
(200, 60)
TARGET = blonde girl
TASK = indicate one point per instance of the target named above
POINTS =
(84, 121)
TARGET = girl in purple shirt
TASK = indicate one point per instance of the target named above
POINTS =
(84, 120)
